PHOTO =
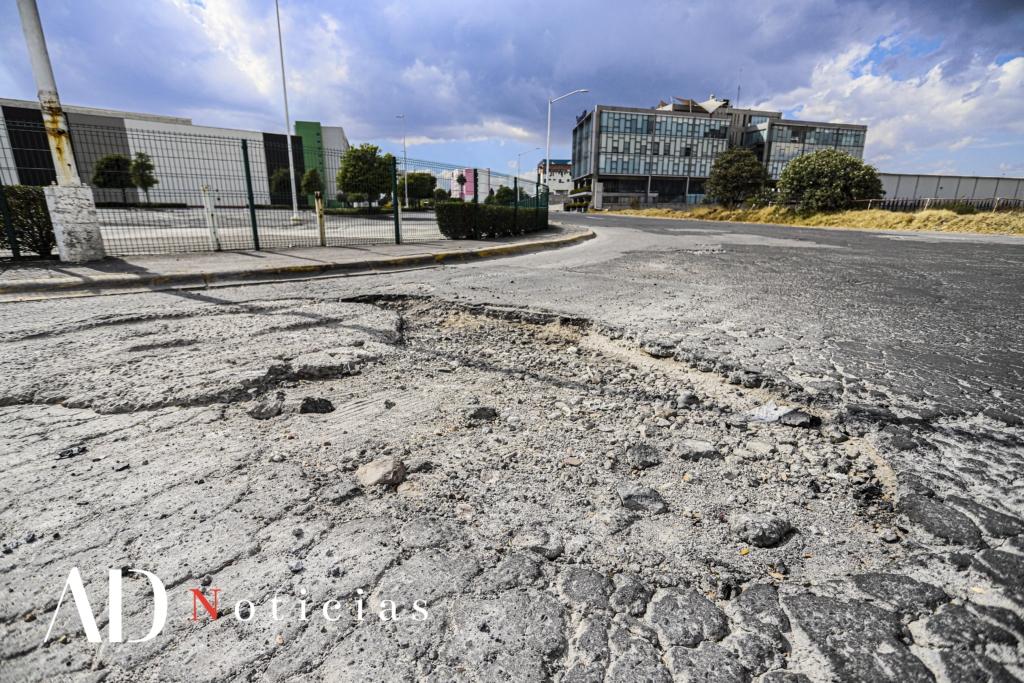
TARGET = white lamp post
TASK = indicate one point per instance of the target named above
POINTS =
(287, 118)
(519, 158)
(405, 160)
(53, 116)
(547, 157)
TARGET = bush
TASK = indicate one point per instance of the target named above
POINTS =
(356, 211)
(457, 220)
(30, 219)
(466, 220)
(114, 172)
(311, 182)
(736, 175)
(961, 208)
(766, 196)
(499, 221)
(828, 180)
(281, 185)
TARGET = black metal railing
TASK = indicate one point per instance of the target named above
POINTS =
(952, 203)
(159, 191)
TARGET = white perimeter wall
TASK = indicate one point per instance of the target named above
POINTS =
(197, 156)
(8, 170)
(335, 144)
(910, 186)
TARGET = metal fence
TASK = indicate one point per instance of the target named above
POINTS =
(924, 203)
(165, 192)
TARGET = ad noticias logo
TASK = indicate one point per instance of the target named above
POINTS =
(206, 604)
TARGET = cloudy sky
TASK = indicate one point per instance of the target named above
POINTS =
(940, 83)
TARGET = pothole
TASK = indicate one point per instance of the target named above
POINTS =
(562, 472)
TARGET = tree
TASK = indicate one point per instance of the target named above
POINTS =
(142, 172)
(736, 176)
(366, 171)
(281, 186)
(114, 172)
(505, 196)
(421, 184)
(461, 180)
(828, 180)
(311, 182)
(489, 199)
(441, 194)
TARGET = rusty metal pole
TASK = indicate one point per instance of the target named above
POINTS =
(53, 116)
(72, 208)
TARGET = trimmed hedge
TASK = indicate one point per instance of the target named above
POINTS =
(357, 211)
(30, 219)
(466, 220)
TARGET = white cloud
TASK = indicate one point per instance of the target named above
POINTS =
(907, 118)
(430, 78)
(491, 129)
(238, 34)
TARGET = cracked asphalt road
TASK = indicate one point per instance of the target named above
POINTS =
(613, 518)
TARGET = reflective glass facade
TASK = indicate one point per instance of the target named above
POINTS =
(664, 155)
(581, 147)
(787, 141)
(659, 144)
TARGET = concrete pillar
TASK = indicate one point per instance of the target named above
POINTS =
(75, 224)
(71, 206)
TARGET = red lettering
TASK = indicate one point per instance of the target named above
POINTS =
(199, 599)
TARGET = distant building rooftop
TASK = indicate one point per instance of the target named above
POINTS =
(96, 111)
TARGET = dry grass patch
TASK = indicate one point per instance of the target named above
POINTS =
(938, 220)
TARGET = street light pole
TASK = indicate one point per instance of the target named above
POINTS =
(53, 115)
(287, 118)
(519, 158)
(405, 160)
(547, 156)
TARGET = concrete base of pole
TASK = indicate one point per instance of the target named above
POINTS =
(75, 224)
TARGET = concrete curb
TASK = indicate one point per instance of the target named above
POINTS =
(176, 280)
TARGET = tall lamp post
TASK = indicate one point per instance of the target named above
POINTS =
(53, 115)
(287, 118)
(405, 160)
(519, 158)
(547, 156)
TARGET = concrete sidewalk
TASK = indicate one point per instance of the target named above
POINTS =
(31, 279)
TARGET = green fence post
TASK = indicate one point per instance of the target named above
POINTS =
(252, 199)
(536, 204)
(515, 207)
(5, 214)
(476, 187)
(542, 218)
(394, 201)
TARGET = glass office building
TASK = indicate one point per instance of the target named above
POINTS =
(779, 142)
(664, 155)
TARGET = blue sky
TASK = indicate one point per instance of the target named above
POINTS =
(939, 83)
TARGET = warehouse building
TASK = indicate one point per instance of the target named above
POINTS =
(186, 157)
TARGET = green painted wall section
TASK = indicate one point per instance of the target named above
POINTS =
(312, 147)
